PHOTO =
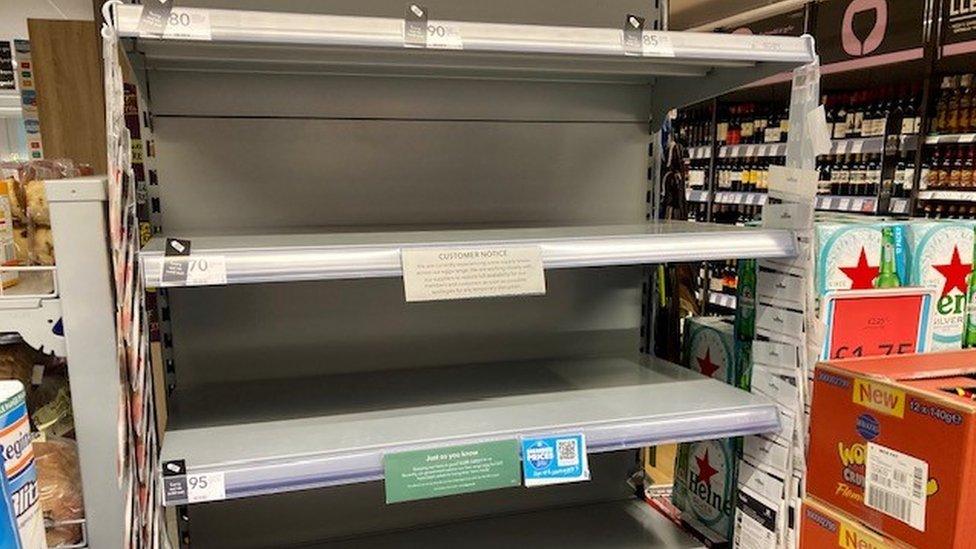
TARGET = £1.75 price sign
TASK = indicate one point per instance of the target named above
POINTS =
(876, 322)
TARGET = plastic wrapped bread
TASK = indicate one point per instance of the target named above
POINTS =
(59, 484)
(22, 244)
(42, 246)
(14, 192)
(37, 209)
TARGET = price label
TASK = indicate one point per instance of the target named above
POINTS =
(656, 44)
(876, 322)
(193, 270)
(188, 24)
(205, 487)
(844, 204)
(967, 138)
(443, 36)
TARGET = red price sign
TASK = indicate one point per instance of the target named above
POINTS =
(876, 323)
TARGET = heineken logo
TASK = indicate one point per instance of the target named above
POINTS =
(862, 275)
(705, 364)
(708, 485)
(955, 273)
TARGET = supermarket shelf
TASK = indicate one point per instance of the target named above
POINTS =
(697, 153)
(10, 104)
(859, 204)
(750, 151)
(837, 146)
(959, 196)
(32, 308)
(738, 197)
(722, 300)
(696, 195)
(335, 430)
(322, 256)
(950, 139)
(360, 45)
(629, 524)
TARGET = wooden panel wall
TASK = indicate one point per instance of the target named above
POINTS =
(70, 94)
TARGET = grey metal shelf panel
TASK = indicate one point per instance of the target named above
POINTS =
(335, 430)
(628, 524)
(356, 45)
(254, 258)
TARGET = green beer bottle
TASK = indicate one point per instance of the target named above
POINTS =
(745, 310)
(969, 336)
(888, 277)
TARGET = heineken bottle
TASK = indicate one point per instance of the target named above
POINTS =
(745, 311)
(969, 335)
(887, 277)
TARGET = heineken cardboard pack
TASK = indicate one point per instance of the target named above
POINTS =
(708, 347)
(705, 486)
(860, 256)
(942, 258)
(705, 471)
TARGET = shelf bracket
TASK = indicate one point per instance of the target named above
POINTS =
(37, 320)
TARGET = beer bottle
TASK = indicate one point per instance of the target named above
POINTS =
(887, 277)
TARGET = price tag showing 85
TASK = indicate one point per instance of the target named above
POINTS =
(656, 44)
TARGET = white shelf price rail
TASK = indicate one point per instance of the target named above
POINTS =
(336, 431)
(331, 256)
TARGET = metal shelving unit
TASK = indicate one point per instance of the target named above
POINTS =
(336, 429)
(389, 378)
(332, 256)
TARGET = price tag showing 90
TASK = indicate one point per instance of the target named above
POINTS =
(443, 36)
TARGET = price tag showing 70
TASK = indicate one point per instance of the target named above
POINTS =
(193, 270)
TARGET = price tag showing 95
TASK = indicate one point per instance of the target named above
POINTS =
(205, 487)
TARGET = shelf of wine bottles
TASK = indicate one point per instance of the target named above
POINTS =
(955, 108)
(874, 113)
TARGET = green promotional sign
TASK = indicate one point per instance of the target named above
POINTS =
(437, 472)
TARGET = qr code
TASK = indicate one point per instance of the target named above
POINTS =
(567, 452)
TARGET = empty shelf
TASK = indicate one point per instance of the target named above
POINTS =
(325, 256)
(619, 525)
(286, 435)
(361, 45)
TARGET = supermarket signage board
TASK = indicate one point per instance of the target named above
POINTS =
(958, 27)
(557, 459)
(447, 471)
(438, 274)
(876, 322)
(791, 23)
(866, 30)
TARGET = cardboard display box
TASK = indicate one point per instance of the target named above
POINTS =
(893, 444)
(823, 526)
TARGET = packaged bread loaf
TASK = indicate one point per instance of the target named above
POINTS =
(17, 360)
(37, 209)
(14, 192)
(59, 484)
(22, 243)
(42, 246)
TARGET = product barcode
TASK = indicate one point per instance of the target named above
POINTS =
(567, 450)
(918, 483)
(890, 503)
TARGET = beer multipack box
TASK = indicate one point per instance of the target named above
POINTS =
(823, 526)
(893, 444)
(18, 464)
(942, 259)
(705, 471)
(860, 256)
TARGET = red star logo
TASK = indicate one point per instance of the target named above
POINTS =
(862, 276)
(705, 365)
(705, 469)
(955, 273)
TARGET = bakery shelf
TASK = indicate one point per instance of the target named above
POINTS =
(10, 104)
(336, 429)
(252, 258)
(32, 308)
(355, 45)
(950, 139)
(628, 524)
(958, 196)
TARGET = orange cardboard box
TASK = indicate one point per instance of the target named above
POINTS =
(892, 445)
(822, 526)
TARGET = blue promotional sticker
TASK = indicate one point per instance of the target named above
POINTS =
(554, 459)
